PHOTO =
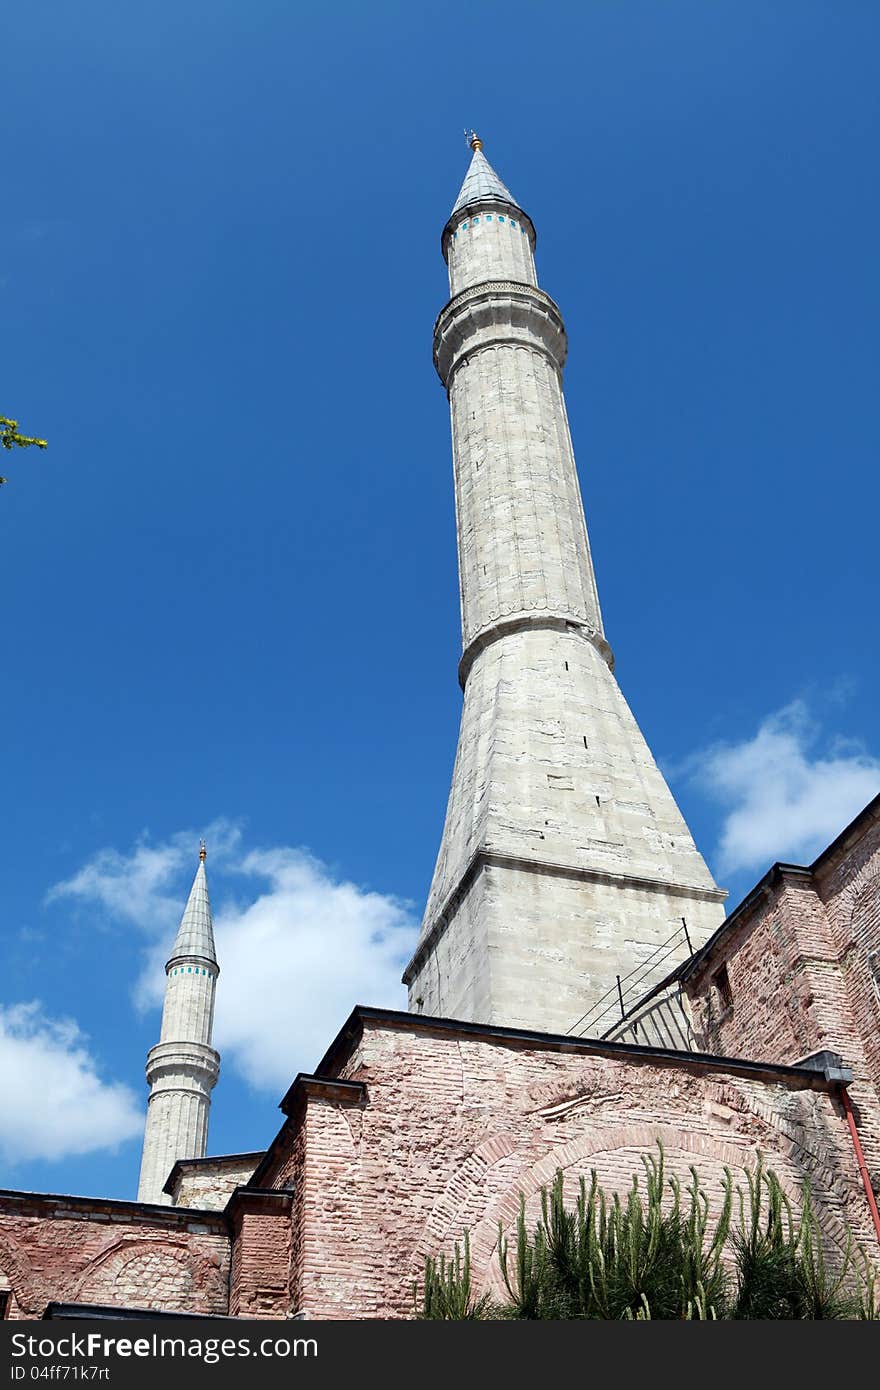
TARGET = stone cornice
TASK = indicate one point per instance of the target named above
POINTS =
(797, 1077)
(110, 1210)
(494, 312)
(165, 1058)
(322, 1088)
(192, 958)
(529, 621)
(262, 1201)
(534, 864)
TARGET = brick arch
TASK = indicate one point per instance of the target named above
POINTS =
(28, 1291)
(865, 912)
(465, 1192)
(464, 1188)
(844, 904)
(707, 1153)
(156, 1273)
(820, 1170)
(467, 1204)
(631, 1139)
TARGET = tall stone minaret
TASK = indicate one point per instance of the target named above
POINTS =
(564, 859)
(182, 1068)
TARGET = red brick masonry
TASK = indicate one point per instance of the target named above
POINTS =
(420, 1128)
(429, 1129)
(83, 1250)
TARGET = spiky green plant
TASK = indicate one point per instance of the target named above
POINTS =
(446, 1290)
(619, 1260)
(782, 1270)
(652, 1257)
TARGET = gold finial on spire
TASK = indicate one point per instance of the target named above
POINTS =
(203, 851)
(473, 140)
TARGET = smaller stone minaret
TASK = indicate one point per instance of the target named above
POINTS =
(182, 1068)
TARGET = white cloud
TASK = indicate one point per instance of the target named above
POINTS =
(297, 959)
(784, 797)
(297, 951)
(53, 1102)
(134, 887)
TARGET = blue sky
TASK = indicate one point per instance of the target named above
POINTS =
(229, 585)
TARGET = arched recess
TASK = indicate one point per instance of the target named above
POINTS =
(153, 1273)
(486, 1189)
(29, 1293)
(865, 926)
(616, 1158)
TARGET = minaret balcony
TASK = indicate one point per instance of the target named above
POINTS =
(182, 1065)
(497, 312)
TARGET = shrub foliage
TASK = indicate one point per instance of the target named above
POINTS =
(653, 1255)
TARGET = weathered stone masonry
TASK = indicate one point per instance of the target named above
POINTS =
(564, 859)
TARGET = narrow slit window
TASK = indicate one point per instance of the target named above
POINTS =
(874, 967)
(721, 983)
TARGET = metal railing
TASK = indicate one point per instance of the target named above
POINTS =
(625, 994)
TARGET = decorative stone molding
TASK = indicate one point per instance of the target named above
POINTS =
(493, 313)
(518, 622)
(485, 858)
(197, 1062)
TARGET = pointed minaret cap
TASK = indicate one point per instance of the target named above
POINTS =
(482, 186)
(481, 181)
(195, 935)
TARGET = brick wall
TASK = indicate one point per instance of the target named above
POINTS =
(848, 881)
(770, 956)
(430, 1129)
(801, 971)
(259, 1285)
(455, 1125)
(119, 1253)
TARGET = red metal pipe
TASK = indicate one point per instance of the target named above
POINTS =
(860, 1159)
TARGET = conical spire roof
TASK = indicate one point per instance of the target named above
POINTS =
(195, 935)
(480, 182)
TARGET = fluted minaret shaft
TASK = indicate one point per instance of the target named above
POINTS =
(499, 347)
(564, 859)
(182, 1068)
